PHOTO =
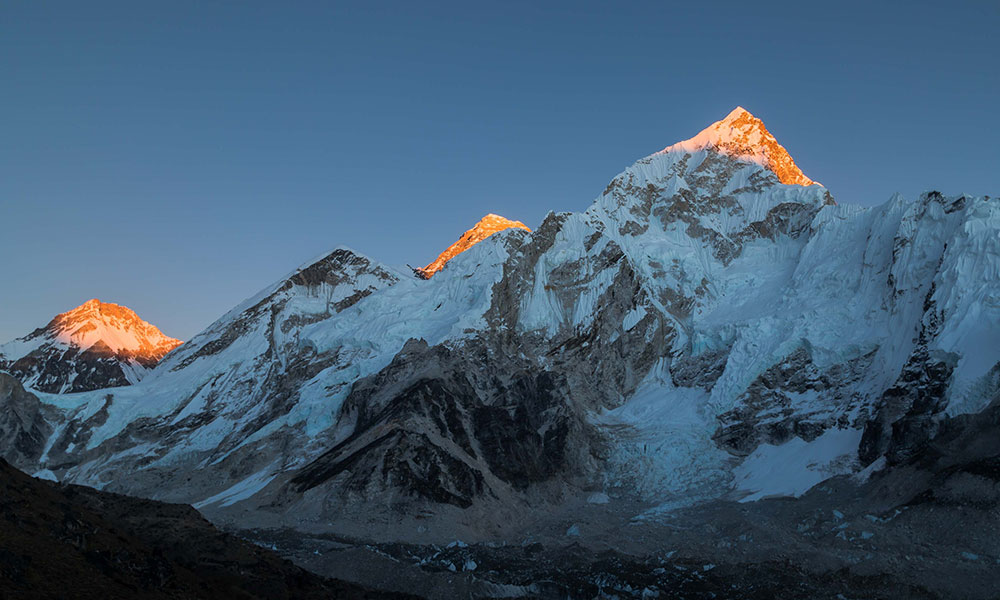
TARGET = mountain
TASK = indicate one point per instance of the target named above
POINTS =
(75, 542)
(712, 334)
(94, 346)
(486, 227)
(744, 137)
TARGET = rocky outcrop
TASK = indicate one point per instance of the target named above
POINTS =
(440, 425)
(907, 414)
(794, 398)
(24, 428)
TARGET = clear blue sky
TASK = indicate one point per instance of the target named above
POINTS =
(178, 156)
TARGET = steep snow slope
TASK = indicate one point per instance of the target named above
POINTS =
(96, 345)
(701, 316)
(262, 387)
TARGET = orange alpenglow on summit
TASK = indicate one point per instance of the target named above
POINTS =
(743, 136)
(116, 327)
(486, 227)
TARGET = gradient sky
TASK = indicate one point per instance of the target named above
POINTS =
(176, 157)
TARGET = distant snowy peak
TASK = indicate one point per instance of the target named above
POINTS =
(743, 136)
(115, 326)
(95, 345)
(308, 298)
(486, 227)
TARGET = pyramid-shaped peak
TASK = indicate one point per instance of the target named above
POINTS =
(740, 121)
(484, 228)
(737, 113)
(114, 325)
(91, 304)
(95, 307)
(743, 136)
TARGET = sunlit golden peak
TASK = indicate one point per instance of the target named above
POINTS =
(486, 227)
(112, 325)
(738, 112)
(744, 136)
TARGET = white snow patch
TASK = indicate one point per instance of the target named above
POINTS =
(241, 491)
(598, 498)
(46, 474)
(865, 474)
(795, 466)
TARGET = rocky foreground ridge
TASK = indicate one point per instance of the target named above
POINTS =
(67, 541)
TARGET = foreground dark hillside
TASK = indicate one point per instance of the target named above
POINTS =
(67, 541)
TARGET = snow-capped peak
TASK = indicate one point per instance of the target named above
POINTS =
(96, 345)
(113, 325)
(744, 136)
(486, 227)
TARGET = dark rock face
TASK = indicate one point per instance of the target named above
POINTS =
(335, 268)
(525, 443)
(701, 371)
(75, 542)
(95, 368)
(908, 413)
(964, 458)
(24, 429)
(601, 361)
(794, 398)
(428, 426)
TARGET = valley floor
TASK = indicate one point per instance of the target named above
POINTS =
(827, 544)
